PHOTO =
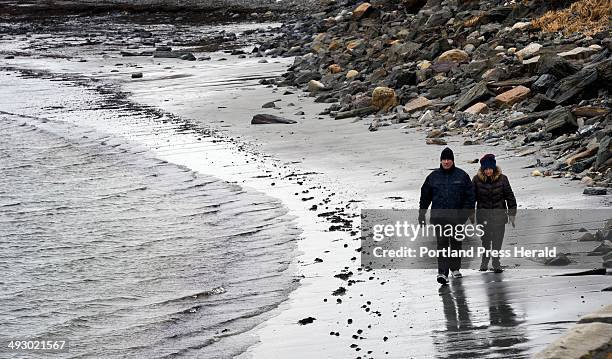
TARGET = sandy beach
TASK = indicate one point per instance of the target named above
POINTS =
(325, 171)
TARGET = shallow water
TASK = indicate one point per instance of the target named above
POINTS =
(117, 251)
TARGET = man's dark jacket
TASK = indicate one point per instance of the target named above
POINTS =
(448, 190)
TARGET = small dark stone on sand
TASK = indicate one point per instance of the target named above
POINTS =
(343, 276)
(137, 75)
(339, 291)
(305, 321)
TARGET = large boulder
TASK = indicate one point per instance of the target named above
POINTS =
(579, 53)
(334, 68)
(513, 96)
(305, 77)
(315, 86)
(454, 55)
(384, 98)
(604, 152)
(478, 92)
(528, 51)
(417, 104)
(555, 65)
(362, 10)
(477, 108)
(571, 86)
(351, 74)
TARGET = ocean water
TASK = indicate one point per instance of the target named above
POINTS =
(121, 253)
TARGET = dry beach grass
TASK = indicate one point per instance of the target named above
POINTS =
(586, 16)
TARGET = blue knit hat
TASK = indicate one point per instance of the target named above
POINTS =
(488, 161)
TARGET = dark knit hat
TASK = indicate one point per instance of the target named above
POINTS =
(488, 161)
(447, 154)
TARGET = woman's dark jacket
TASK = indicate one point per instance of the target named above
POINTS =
(494, 197)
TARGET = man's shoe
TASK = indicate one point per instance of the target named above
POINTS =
(456, 274)
(484, 269)
(498, 270)
(442, 279)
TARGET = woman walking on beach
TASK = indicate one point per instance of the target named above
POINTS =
(495, 203)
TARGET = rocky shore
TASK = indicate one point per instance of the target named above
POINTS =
(497, 73)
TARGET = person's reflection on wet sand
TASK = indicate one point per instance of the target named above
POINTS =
(500, 337)
(458, 340)
(456, 309)
(505, 331)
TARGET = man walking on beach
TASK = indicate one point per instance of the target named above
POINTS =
(450, 192)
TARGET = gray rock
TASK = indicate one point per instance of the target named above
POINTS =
(166, 54)
(544, 82)
(306, 77)
(560, 260)
(587, 237)
(573, 85)
(188, 57)
(478, 92)
(594, 191)
(265, 119)
(603, 154)
(555, 65)
(442, 90)
(602, 249)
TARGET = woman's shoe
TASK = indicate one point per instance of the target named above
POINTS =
(498, 270)
(484, 269)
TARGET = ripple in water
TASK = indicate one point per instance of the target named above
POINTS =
(124, 254)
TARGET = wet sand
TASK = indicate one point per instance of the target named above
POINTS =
(345, 168)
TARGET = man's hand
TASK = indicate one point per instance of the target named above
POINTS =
(512, 219)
